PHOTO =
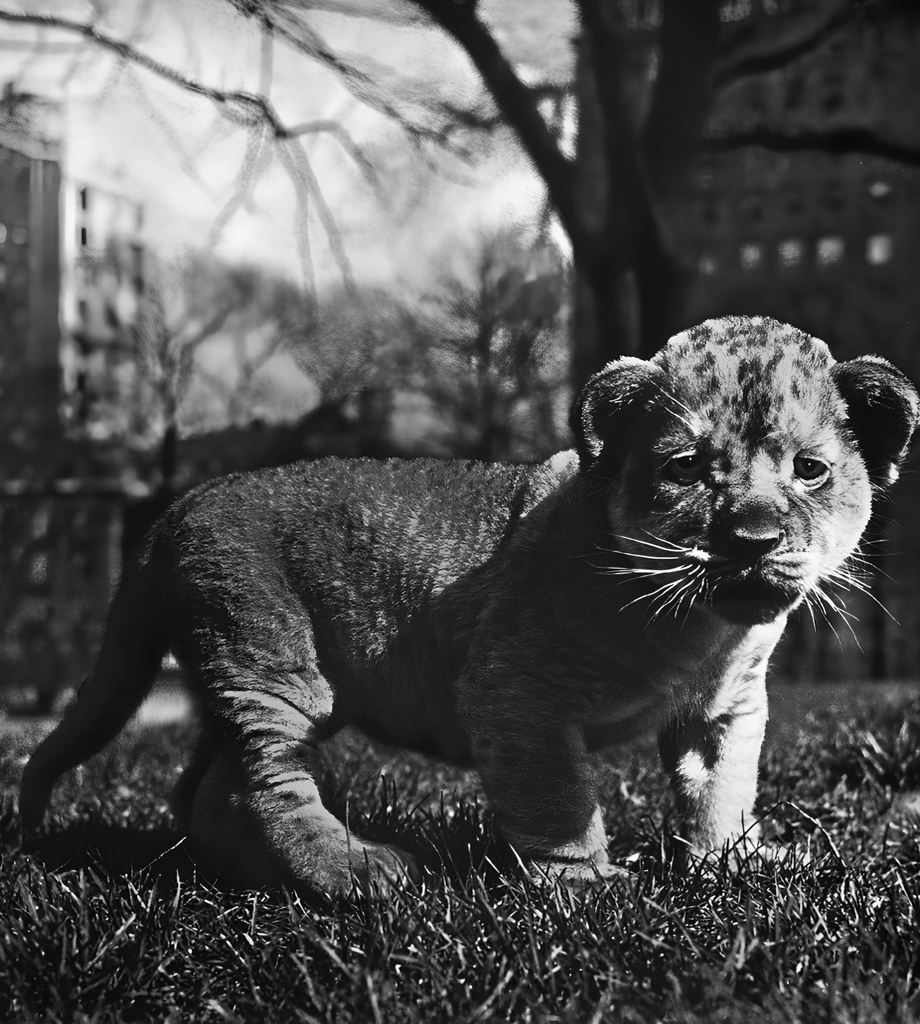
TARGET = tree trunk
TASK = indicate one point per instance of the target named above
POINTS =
(636, 140)
(688, 42)
(605, 315)
(169, 456)
(604, 323)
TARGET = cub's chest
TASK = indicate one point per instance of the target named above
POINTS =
(705, 671)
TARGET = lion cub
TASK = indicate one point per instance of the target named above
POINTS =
(510, 618)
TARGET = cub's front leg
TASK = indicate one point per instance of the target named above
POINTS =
(542, 789)
(251, 805)
(712, 758)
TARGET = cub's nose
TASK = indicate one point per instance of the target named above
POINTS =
(748, 533)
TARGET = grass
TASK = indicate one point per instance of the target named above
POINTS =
(104, 918)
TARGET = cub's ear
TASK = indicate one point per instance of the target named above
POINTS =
(883, 408)
(607, 403)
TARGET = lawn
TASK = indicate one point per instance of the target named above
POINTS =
(104, 918)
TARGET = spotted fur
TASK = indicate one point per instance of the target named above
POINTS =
(513, 619)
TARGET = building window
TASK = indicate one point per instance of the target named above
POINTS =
(753, 209)
(751, 256)
(878, 249)
(736, 10)
(2, 234)
(84, 199)
(790, 252)
(830, 250)
(137, 252)
(19, 236)
(82, 236)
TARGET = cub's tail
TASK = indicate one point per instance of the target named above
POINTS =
(136, 638)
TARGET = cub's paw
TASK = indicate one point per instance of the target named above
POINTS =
(580, 876)
(769, 854)
(381, 867)
(746, 852)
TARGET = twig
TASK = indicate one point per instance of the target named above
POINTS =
(514, 99)
(298, 163)
(760, 45)
(838, 143)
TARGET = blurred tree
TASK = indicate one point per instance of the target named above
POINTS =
(649, 76)
(484, 351)
(496, 356)
(357, 338)
(156, 381)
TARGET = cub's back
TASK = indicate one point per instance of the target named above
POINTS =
(341, 534)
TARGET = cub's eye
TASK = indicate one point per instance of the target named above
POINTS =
(810, 471)
(686, 469)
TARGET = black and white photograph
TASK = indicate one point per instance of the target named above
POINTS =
(459, 548)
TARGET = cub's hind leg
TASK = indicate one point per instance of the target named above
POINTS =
(256, 815)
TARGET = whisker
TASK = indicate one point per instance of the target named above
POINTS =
(834, 631)
(670, 397)
(685, 594)
(662, 545)
(676, 599)
(660, 590)
(692, 596)
(663, 605)
(811, 611)
(642, 554)
(827, 601)
(697, 593)
(676, 590)
(671, 556)
(850, 582)
(640, 570)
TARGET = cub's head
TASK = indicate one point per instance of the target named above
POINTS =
(739, 462)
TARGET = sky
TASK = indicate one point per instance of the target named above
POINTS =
(135, 133)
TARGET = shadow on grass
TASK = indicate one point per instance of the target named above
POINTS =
(114, 849)
(454, 843)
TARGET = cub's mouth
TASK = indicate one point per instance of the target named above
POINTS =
(757, 592)
(743, 590)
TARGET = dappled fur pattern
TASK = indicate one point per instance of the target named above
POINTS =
(509, 618)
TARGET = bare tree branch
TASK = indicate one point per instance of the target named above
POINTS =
(301, 213)
(362, 85)
(125, 51)
(256, 161)
(167, 130)
(335, 129)
(243, 108)
(266, 59)
(312, 46)
(249, 110)
(258, 115)
(208, 329)
(688, 42)
(761, 44)
(295, 159)
(842, 142)
(389, 14)
(515, 100)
